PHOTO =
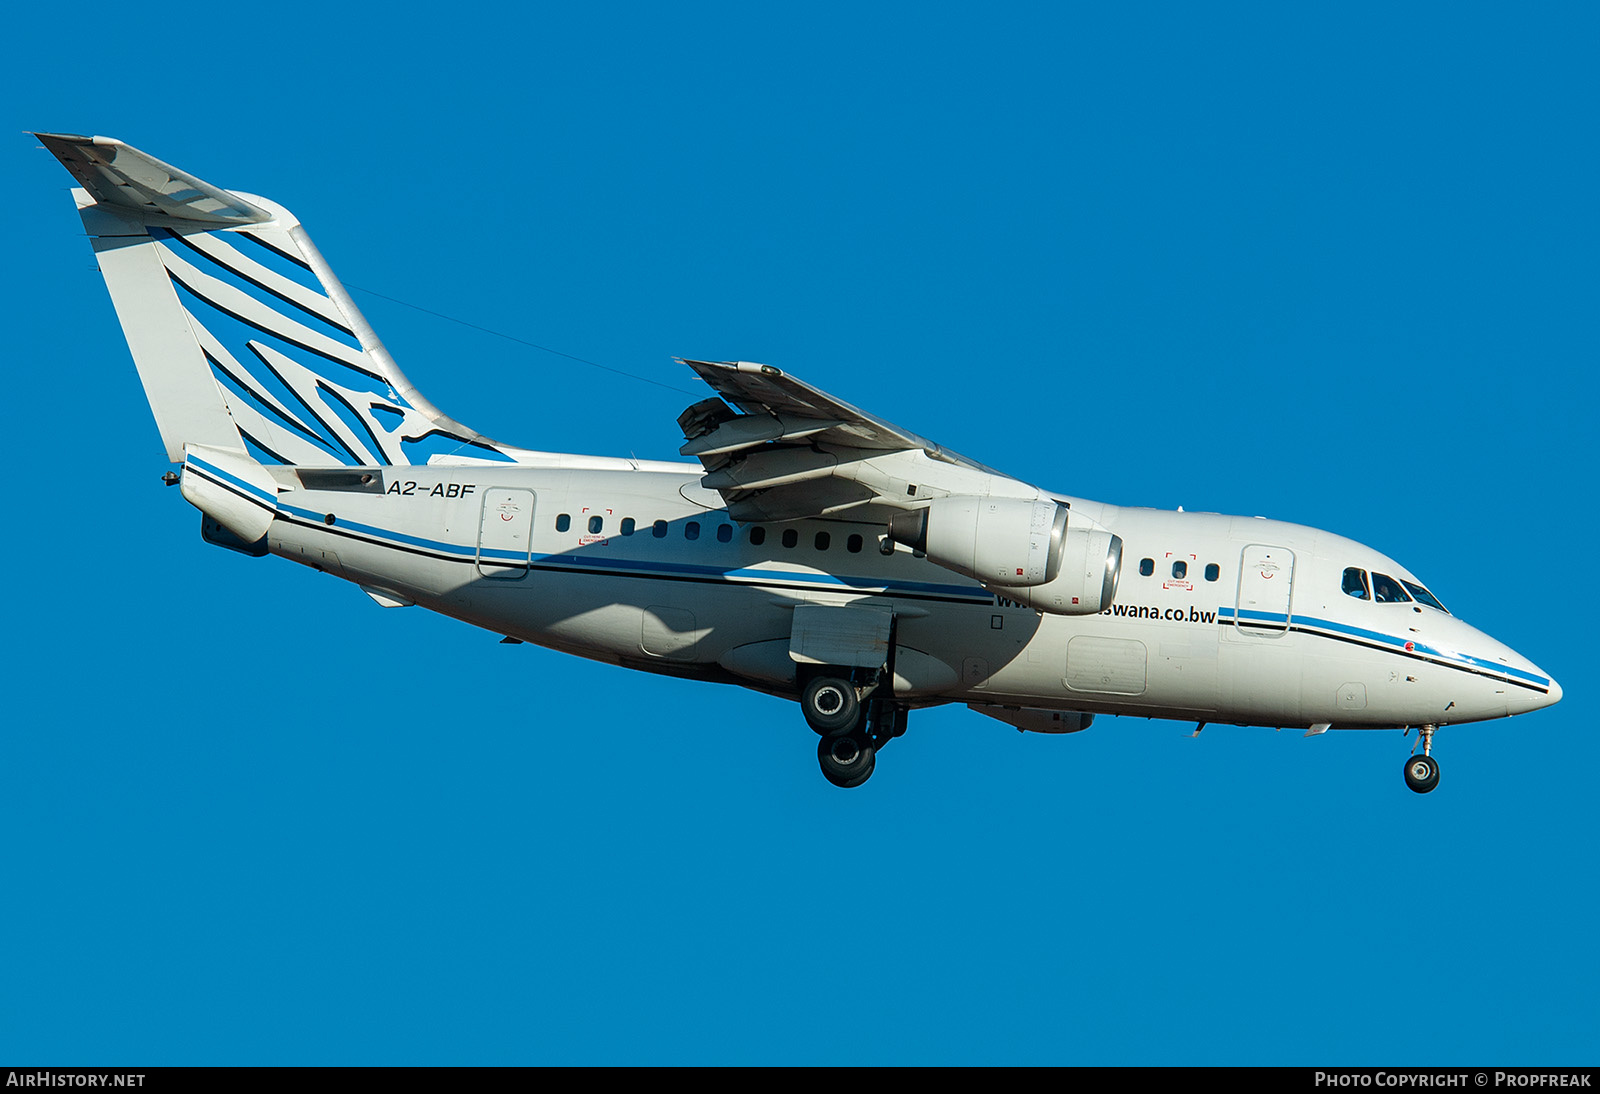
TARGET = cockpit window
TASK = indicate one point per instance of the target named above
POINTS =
(1423, 596)
(1386, 590)
(1355, 583)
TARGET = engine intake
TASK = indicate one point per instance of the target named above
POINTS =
(1090, 567)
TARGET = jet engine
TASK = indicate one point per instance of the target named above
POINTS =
(1023, 549)
(1091, 562)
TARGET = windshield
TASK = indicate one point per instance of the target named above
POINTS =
(1423, 596)
(1386, 590)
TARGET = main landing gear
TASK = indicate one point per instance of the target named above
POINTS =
(1422, 772)
(852, 724)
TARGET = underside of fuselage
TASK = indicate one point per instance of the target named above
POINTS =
(621, 568)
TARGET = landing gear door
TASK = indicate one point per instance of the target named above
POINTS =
(846, 637)
(505, 533)
(1266, 577)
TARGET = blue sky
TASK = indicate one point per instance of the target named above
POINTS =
(1336, 268)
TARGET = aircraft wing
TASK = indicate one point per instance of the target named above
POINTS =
(777, 448)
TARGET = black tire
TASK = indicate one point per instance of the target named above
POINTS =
(846, 761)
(831, 706)
(1422, 773)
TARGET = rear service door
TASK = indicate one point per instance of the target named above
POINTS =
(505, 533)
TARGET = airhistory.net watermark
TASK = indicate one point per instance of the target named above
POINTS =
(43, 1077)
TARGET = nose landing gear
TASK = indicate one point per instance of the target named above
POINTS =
(1422, 772)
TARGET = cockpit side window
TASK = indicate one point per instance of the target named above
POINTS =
(1386, 590)
(1355, 583)
(1423, 596)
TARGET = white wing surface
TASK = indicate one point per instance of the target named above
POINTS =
(777, 448)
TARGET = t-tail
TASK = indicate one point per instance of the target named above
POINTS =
(250, 350)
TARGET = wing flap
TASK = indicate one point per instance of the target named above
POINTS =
(791, 451)
(761, 391)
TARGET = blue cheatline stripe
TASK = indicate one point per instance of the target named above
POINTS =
(383, 533)
(238, 484)
(768, 575)
(1389, 640)
(641, 568)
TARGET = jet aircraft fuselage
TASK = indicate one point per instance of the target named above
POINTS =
(1238, 619)
(813, 551)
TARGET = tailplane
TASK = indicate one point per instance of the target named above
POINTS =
(244, 339)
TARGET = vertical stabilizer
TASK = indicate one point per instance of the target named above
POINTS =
(244, 339)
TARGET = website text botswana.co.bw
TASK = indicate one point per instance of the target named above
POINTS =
(1171, 615)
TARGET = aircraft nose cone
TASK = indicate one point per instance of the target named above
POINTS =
(1529, 699)
(1531, 687)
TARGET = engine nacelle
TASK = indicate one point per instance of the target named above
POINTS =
(1091, 563)
(1017, 541)
(1022, 549)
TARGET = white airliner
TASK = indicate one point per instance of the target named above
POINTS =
(814, 551)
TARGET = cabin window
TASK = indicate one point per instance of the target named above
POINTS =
(853, 545)
(1386, 590)
(1355, 583)
(1147, 566)
(595, 524)
(724, 533)
(691, 530)
(563, 522)
(659, 529)
(1213, 571)
(790, 537)
(627, 526)
(822, 541)
(1423, 596)
(1180, 570)
(758, 536)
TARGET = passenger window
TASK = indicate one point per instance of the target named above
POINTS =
(724, 533)
(822, 541)
(1180, 570)
(595, 524)
(691, 530)
(1386, 590)
(1147, 566)
(853, 545)
(758, 536)
(563, 522)
(1355, 583)
(790, 537)
(659, 529)
(627, 526)
(1213, 571)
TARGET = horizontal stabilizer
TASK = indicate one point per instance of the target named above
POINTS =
(115, 174)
